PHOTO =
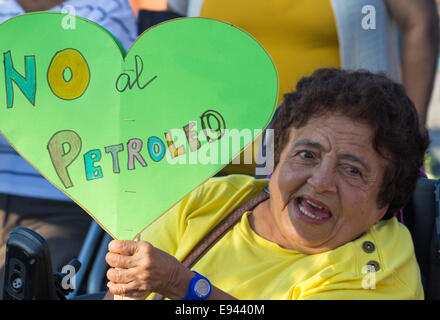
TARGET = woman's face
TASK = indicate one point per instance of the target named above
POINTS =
(324, 189)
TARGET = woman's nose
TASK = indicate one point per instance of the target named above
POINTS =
(322, 179)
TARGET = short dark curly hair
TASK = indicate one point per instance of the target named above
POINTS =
(369, 98)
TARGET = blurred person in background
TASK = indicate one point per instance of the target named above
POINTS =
(151, 12)
(398, 37)
(27, 198)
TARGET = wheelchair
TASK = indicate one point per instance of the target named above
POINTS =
(421, 217)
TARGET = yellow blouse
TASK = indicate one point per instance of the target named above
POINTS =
(248, 266)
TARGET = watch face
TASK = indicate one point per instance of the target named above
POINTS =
(202, 288)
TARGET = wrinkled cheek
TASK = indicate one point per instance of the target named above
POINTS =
(279, 194)
(359, 215)
(291, 184)
(284, 183)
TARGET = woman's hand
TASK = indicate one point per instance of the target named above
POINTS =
(139, 269)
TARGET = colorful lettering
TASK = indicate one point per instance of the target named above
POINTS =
(62, 159)
(175, 152)
(114, 150)
(191, 136)
(92, 171)
(213, 133)
(71, 62)
(156, 148)
(27, 84)
(134, 146)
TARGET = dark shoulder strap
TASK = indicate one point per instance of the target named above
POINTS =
(219, 231)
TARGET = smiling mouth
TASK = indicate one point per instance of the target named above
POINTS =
(311, 211)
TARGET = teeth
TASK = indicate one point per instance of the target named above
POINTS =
(314, 205)
(304, 211)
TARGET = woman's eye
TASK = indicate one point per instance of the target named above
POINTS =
(353, 170)
(306, 155)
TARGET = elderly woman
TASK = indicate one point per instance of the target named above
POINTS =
(348, 147)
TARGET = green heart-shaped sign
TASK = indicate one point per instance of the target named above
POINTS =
(128, 137)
